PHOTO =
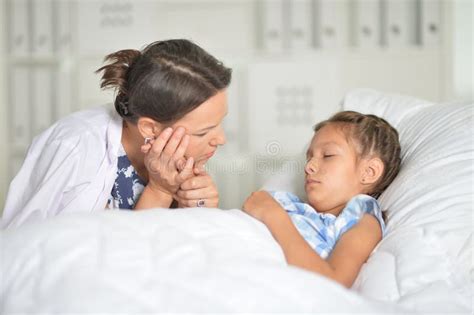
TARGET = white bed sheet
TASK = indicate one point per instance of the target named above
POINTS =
(185, 260)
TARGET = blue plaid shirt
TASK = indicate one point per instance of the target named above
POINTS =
(323, 230)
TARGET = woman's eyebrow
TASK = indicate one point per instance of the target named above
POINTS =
(210, 127)
(206, 129)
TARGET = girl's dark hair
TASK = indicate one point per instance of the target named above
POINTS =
(164, 81)
(374, 136)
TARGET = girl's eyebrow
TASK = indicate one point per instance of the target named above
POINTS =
(322, 145)
(325, 144)
(329, 143)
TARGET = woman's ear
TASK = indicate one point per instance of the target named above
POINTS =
(372, 170)
(148, 128)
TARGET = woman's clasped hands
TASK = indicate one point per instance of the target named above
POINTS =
(170, 172)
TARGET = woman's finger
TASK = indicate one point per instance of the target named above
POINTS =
(188, 203)
(159, 143)
(202, 193)
(180, 164)
(181, 149)
(199, 168)
(173, 142)
(197, 182)
(192, 203)
(146, 147)
(187, 171)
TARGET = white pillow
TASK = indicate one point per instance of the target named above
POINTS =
(392, 107)
(424, 262)
(428, 248)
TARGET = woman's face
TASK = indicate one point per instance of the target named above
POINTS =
(204, 125)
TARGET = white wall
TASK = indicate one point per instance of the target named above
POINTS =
(3, 111)
(463, 49)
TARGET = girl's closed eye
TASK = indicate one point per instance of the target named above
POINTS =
(200, 134)
(328, 155)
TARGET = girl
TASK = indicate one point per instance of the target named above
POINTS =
(351, 160)
(148, 152)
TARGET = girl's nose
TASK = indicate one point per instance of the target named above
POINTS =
(310, 167)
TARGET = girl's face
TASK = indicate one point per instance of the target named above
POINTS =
(333, 172)
(204, 125)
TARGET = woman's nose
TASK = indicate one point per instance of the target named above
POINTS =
(219, 138)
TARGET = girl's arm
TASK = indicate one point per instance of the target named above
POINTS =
(346, 259)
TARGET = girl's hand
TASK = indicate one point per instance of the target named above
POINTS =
(199, 187)
(164, 160)
(261, 205)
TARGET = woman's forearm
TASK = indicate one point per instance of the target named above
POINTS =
(297, 251)
(153, 198)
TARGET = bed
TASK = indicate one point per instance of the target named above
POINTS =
(211, 260)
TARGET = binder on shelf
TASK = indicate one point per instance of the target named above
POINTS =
(20, 113)
(42, 101)
(333, 25)
(42, 30)
(19, 35)
(62, 29)
(273, 28)
(400, 23)
(301, 26)
(430, 24)
(367, 28)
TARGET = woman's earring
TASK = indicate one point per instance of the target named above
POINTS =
(148, 139)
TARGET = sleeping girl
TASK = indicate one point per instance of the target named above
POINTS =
(351, 160)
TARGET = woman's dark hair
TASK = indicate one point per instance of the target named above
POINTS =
(164, 81)
(374, 136)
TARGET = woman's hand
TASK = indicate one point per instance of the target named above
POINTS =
(164, 160)
(199, 187)
(261, 205)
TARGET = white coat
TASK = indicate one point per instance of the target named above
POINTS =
(69, 167)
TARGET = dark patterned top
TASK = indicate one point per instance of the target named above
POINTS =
(128, 186)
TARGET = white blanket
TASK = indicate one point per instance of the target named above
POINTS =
(185, 260)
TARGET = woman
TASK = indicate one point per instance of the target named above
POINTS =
(148, 152)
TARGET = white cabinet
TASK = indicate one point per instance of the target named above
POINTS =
(106, 26)
(287, 99)
(292, 60)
